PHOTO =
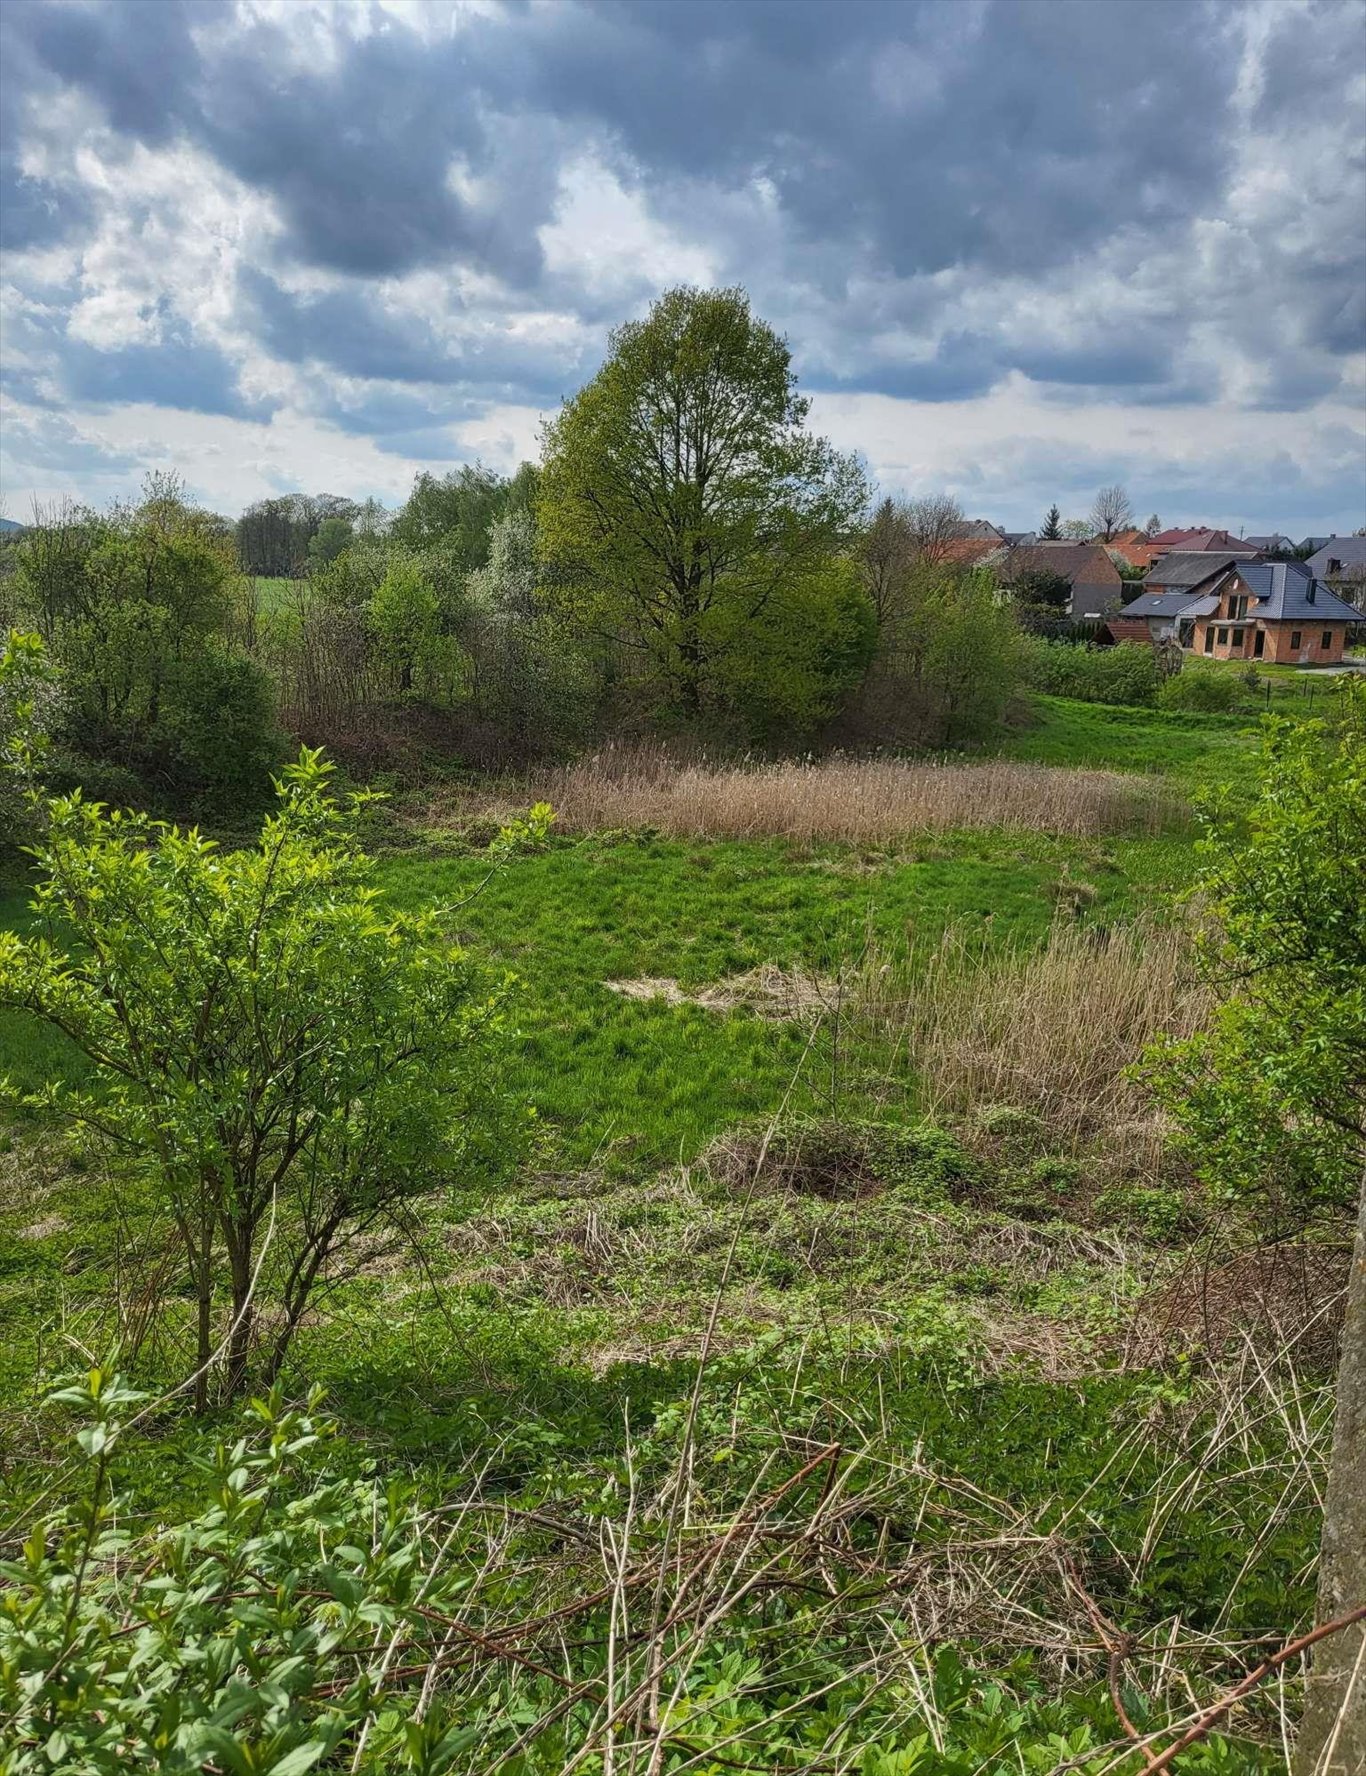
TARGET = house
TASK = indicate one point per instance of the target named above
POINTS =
(1342, 559)
(1187, 570)
(1134, 547)
(1275, 544)
(1094, 578)
(973, 539)
(1274, 611)
(1191, 540)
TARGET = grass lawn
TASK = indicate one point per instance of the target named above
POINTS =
(1197, 751)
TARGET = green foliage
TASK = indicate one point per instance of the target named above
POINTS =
(404, 616)
(279, 1062)
(1043, 587)
(1052, 525)
(25, 716)
(1126, 674)
(948, 663)
(682, 503)
(135, 607)
(1201, 686)
(794, 668)
(309, 1616)
(458, 511)
(1273, 1097)
(332, 536)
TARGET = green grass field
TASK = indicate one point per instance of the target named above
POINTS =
(634, 1299)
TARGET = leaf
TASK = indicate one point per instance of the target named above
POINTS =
(302, 1758)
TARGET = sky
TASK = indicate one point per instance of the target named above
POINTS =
(1020, 248)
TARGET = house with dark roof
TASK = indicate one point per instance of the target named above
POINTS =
(1273, 544)
(1274, 611)
(1188, 570)
(1340, 559)
(1096, 585)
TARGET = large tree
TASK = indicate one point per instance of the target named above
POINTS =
(681, 493)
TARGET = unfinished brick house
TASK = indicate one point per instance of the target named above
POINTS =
(1275, 611)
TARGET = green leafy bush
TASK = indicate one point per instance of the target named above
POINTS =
(1201, 686)
(1126, 674)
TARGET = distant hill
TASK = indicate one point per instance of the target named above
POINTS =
(9, 528)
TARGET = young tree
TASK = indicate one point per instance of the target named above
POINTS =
(328, 541)
(1043, 588)
(1111, 512)
(1153, 526)
(1076, 530)
(1052, 526)
(886, 554)
(279, 1060)
(405, 618)
(1275, 1093)
(680, 493)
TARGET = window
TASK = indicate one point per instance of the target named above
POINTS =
(1334, 565)
(1259, 645)
(1237, 638)
(1326, 639)
(1237, 607)
(1223, 638)
(1294, 638)
(1209, 639)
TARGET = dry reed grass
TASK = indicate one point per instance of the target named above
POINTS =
(1050, 1031)
(858, 801)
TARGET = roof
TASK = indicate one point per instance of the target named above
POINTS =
(977, 529)
(1350, 551)
(1275, 543)
(1201, 539)
(1016, 537)
(1172, 604)
(1286, 591)
(1084, 564)
(1189, 569)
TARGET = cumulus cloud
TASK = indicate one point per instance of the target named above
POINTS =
(1016, 245)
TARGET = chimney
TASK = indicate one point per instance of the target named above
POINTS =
(1313, 589)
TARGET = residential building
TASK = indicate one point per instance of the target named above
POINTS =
(1340, 559)
(1274, 611)
(1188, 570)
(1274, 544)
(1202, 540)
(1135, 547)
(1095, 580)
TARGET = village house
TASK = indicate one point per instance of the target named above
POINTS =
(1096, 584)
(1342, 561)
(1273, 611)
(1189, 541)
(1135, 547)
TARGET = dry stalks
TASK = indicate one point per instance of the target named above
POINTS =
(1050, 1031)
(859, 801)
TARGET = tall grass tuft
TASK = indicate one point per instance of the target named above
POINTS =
(857, 801)
(1051, 1031)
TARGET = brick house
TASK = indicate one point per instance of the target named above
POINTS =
(1273, 611)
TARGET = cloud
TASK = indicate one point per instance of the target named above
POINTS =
(409, 228)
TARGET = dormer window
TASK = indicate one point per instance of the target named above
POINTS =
(1334, 565)
(1237, 607)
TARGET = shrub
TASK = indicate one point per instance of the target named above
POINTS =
(1200, 686)
(1126, 674)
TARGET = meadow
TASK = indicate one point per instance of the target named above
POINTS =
(847, 1378)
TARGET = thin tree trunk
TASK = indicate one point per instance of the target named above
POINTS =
(239, 1338)
(202, 1271)
(1332, 1737)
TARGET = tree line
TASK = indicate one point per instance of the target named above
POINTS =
(686, 556)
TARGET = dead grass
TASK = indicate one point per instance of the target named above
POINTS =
(767, 991)
(1050, 1032)
(856, 801)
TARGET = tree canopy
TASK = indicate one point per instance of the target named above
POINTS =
(681, 495)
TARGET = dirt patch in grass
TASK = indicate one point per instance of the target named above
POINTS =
(768, 991)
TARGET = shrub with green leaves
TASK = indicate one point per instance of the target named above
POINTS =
(1200, 685)
(1126, 674)
(280, 1062)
